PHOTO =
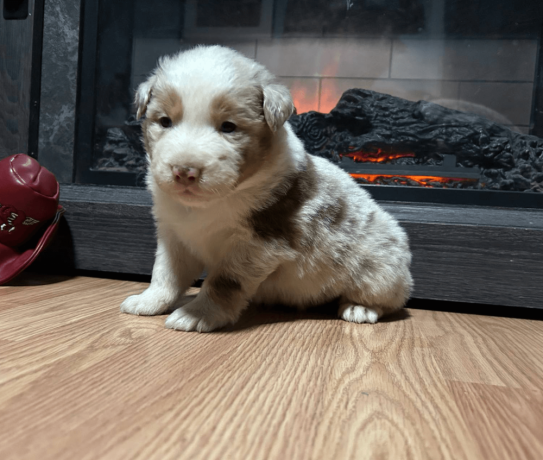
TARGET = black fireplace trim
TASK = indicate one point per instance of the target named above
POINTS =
(456, 196)
(474, 254)
(35, 85)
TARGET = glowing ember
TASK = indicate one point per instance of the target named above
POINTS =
(377, 157)
(425, 181)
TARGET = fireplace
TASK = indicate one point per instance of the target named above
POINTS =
(414, 105)
(433, 107)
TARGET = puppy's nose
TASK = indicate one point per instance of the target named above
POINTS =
(186, 175)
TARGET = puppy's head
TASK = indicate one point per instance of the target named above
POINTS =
(211, 117)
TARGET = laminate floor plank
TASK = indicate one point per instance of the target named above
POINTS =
(507, 421)
(78, 379)
(43, 312)
(485, 349)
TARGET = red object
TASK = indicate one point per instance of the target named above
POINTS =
(29, 213)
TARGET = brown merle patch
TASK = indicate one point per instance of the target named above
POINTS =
(252, 137)
(167, 103)
(390, 242)
(225, 291)
(368, 264)
(279, 219)
(331, 215)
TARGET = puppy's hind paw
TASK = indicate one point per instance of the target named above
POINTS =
(358, 314)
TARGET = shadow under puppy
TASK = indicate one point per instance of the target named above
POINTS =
(235, 192)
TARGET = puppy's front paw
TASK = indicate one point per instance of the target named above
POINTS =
(189, 318)
(358, 314)
(144, 304)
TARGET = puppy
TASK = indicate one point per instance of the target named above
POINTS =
(235, 192)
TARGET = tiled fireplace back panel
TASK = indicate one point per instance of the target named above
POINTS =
(493, 78)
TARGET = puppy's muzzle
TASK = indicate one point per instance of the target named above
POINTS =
(186, 175)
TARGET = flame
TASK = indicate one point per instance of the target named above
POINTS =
(304, 96)
(425, 181)
(331, 87)
(377, 157)
(331, 91)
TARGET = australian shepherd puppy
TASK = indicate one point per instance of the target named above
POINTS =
(235, 193)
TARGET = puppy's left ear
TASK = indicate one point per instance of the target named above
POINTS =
(278, 105)
(143, 95)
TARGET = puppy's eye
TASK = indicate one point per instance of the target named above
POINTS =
(228, 127)
(165, 122)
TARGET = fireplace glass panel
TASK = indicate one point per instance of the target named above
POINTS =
(437, 94)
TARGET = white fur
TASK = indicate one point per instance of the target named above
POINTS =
(359, 255)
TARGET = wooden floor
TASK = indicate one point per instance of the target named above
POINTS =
(79, 380)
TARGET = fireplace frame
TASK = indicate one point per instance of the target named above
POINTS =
(464, 252)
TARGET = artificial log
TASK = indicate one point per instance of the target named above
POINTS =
(372, 123)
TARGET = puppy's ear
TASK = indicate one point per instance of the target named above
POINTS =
(278, 105)
(143, 95)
